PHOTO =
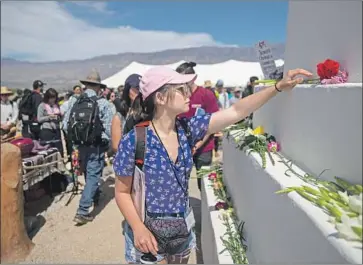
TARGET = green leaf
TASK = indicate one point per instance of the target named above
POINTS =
(358, 231)
(287, 190)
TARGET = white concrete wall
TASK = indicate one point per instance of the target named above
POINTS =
(319, 127)
(317, 30)
(280, 228)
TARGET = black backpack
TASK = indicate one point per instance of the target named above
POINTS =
(84, 125)
(26, 104)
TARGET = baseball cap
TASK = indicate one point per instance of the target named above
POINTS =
(133, 81)
(219, 83)
(38, 83)
(159, 76)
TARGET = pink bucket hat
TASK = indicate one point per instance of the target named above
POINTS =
(157, 77)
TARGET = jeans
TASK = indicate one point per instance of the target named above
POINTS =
(93, 161)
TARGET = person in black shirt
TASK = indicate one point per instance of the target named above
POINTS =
(249, 91)
(250, 86)
(31, 127)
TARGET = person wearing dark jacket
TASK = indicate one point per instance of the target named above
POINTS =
(249, 91)
(31, 127)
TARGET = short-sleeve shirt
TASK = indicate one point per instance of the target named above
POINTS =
(205, 99)
(164, 193)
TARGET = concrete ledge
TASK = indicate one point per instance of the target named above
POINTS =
(280, 228)
(212, 228)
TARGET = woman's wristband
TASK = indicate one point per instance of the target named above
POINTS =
(278, 90)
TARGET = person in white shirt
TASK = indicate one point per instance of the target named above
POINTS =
(236, 95)
(223, 95)
(9, 111)
(64, 106)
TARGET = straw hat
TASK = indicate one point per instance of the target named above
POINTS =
(207, 83)
(93, 78)
(6, 91)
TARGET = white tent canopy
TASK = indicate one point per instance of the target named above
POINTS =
(233, 73)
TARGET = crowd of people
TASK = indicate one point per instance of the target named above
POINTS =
(158, 126)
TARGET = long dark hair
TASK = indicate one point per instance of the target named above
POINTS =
(131, 82)
(186, 68)
(117, 103)
(50, 93)
(125, 103)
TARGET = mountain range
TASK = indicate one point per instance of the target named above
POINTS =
(62, 75)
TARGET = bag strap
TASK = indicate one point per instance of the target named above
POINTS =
(140, 136)
(187, 131)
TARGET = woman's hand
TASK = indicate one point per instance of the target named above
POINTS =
(145, 241)
(288, 82)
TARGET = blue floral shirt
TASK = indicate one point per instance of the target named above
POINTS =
(164, 193)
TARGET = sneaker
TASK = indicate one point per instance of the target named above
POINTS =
(83, 219)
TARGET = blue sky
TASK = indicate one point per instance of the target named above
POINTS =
(232, 22)
(50, 30)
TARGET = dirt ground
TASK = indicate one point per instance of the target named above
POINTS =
(101, 241)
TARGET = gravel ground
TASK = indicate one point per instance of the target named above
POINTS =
(101, 241)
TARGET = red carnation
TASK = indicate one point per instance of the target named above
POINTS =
(328, 69)
(212, 176)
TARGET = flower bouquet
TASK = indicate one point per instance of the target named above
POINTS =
(330, 72)
(341, 201)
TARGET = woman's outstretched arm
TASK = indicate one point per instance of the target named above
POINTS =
(247, 105)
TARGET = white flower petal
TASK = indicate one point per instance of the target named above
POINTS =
(355, 203)
(346, 232)
(344, 196)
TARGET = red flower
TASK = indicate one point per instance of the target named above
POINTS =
(212, 176)
(328, 69)
(221, 206)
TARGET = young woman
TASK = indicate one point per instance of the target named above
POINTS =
(111, 96)
(49, 118)
(166, 231)
(124, 117)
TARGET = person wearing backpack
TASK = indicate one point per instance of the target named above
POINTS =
(88, 126)
(158, 215)
(28, 111)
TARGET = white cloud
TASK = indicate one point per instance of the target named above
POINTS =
(100, 7)
(45, 31)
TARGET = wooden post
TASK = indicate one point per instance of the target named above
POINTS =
(15, 243)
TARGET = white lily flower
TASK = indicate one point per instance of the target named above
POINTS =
(344, 196)
(345, 227)
(355, 203)
(248, 132)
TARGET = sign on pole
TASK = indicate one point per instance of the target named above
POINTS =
(266, 59)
